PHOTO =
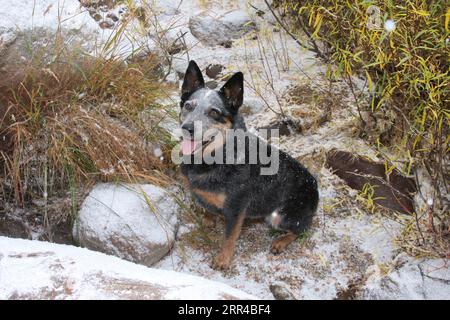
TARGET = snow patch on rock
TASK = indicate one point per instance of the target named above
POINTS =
(222, 29)
(134, 222)
(414, 280)
(42, 270)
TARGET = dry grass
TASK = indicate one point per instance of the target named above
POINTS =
(77, 119)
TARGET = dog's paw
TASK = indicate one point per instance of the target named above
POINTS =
(277, 247)
(221, 262)
(281, 243)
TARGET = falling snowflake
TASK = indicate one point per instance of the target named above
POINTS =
(389, 25)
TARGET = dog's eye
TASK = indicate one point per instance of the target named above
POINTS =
(189, 106)
(215, 114)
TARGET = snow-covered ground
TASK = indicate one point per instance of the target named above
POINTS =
(42, 270)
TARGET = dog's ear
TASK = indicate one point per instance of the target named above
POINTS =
(193, 79)
(233, 91)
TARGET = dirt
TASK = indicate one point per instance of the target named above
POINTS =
(394, 191)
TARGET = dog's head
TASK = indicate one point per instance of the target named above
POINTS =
(206, 114)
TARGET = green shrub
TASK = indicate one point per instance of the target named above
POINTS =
(406, 72)
(406, 69)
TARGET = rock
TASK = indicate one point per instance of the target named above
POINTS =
(284, 127)
(180, 66)
(134, 222)
(60, 233)
(213, 70)
(180, 75)
(428, 279)
(13, 227)
(251, 107)
(113, 17)
(97, 16)
(176, 47)
(281, 292)
(221, 30)
(211, 84)
(394, 191)
(106, 24)
(226, 44)
(7, 37)
(42, 270)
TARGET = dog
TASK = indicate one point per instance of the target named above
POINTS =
(287, 199)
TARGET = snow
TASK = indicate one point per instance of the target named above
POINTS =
(134, 222)
(347, 243)
(69, 15)
(27, 14)
(412, 280)
(35, 269)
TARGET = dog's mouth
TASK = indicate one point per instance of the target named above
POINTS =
(190, 146)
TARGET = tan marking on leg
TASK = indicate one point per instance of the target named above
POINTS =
(215, 199)
(185, 182)
(281, 243)
(223, 260)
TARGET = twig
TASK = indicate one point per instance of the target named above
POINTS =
(318, 52)
(350, 84)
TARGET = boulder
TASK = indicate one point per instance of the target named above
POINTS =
(7, 37)
(220, 30)
(214, 70)
(13, 227)
(42, 270)
(133, 222)
(413, 280)
(251, 106)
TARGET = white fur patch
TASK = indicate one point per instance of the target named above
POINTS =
(275, 219)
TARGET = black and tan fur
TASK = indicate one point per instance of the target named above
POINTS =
(239, 191)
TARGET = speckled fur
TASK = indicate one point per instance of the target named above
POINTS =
(292, 191)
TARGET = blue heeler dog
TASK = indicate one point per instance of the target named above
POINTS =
(287, 198)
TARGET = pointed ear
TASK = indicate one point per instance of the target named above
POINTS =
(233, 91)
(193, 79)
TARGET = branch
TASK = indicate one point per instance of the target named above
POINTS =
(316, 49)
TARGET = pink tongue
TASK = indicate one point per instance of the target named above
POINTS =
(188, 146)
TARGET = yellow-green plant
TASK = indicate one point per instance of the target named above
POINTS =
(402, 50)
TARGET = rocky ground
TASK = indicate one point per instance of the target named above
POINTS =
(351, 250)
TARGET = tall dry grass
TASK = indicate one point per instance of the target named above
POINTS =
(77, 119)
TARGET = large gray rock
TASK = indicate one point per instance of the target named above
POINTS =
(42, 270)
(251, 106)
(220, 30)
(7, 37)
(413, 280)
(133, 222)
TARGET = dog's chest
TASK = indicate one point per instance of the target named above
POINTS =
(207, 190)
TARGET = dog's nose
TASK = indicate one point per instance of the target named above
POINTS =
(189, 127)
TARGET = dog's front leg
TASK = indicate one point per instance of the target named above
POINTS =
(233, 227)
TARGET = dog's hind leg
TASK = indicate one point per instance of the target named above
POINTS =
(233, 227)
(292, 219)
